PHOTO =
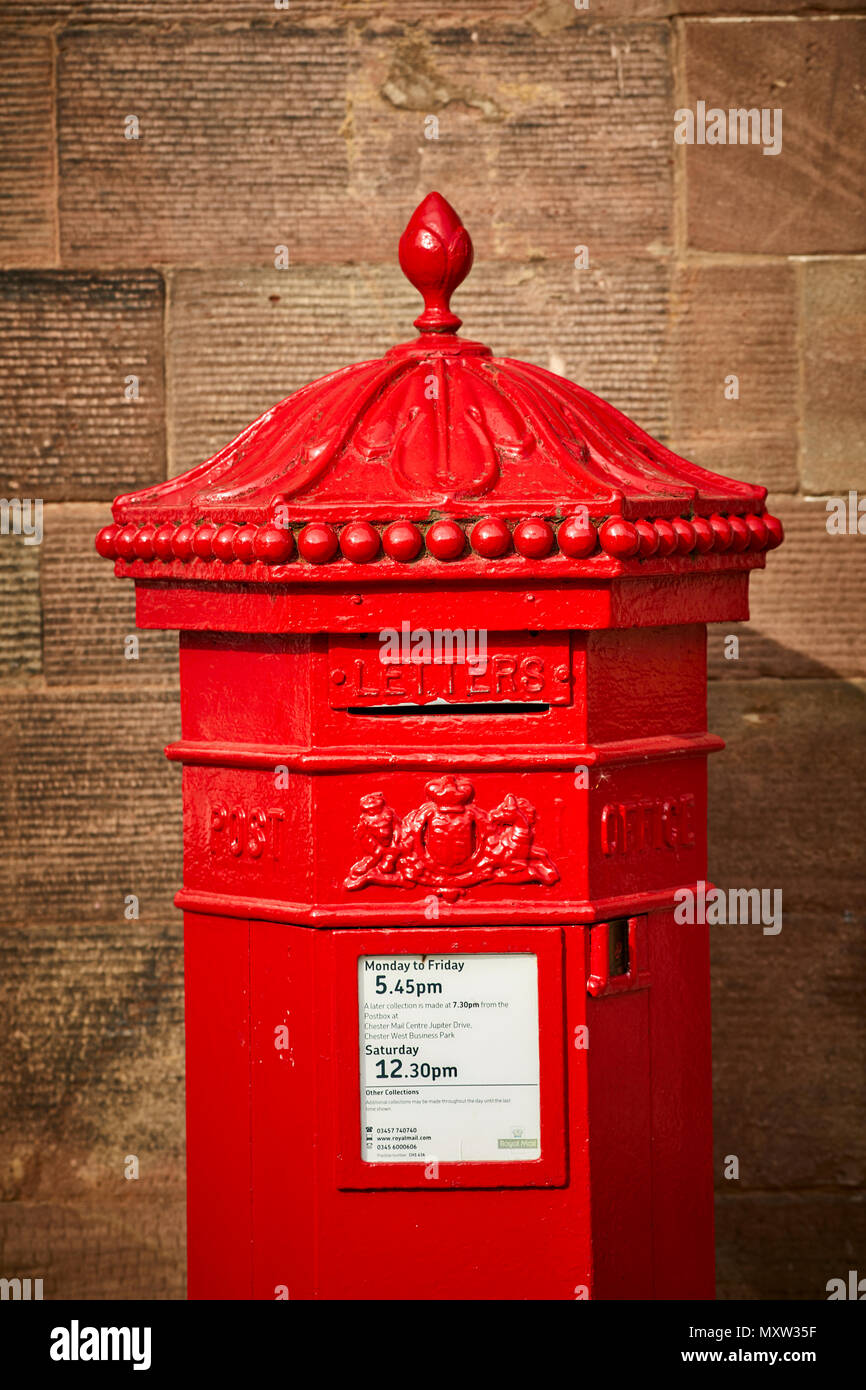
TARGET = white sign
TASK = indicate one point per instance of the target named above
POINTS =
(449, 1058)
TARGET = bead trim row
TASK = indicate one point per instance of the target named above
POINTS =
(491, 538)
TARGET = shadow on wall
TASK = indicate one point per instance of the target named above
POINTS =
(786, 811)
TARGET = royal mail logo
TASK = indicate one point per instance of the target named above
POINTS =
(517, 1141)
(448, 843)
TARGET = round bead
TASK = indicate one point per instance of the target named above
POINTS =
(757, 532)
(647, 538)
(202, 540)
(619, 538)
(667, 536)
(143, 543)
(181, 541)
(775, 531)
(740, 535)
(273, 544)
(685, 534)
(402, 541)
(490, 537)
(162, 542)
(105, 541)
(445, 540)
(721, 531)
(704, 535)
(534, 538)
(243, 542)
(125, 542)
(223, 547)
(359, 542)
(577, 537)
(318, 543)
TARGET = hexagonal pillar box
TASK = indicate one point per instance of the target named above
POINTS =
(443, 678)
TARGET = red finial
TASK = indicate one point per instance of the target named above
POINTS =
(435, 255)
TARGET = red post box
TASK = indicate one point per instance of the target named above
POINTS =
(443, 691)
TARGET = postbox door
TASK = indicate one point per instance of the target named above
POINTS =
(417, 1223)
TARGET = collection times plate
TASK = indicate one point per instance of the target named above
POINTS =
(449, 1058)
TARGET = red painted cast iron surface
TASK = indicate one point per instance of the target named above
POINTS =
(549, 801)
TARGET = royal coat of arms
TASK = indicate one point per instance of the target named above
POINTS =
(448, 843)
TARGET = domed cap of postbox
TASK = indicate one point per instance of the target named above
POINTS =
(439, 457)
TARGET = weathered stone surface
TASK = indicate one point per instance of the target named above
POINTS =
(806, 606)
(239, 343)
(239, 150)
(787, 804)
(20, 613)
(770, 8)
(545, 16)
(786, 1246)
(545, 141)
(68, 343)
(736, 321)
(90, 809)
(789, 1051)
(92, 1045)
(834, 376)
(88, 615)
(100, 1249)
(28, 222)
(809, 198)
(578, 121)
